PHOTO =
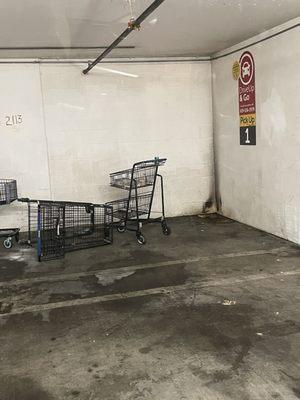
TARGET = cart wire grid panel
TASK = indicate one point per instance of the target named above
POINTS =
(68, 226)
(8, 191)
(8, 194)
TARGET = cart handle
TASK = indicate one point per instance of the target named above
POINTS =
(24, 200)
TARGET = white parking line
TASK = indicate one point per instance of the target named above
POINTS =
(132, 268)
(139, 293)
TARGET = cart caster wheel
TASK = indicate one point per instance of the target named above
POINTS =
(7, 243)
(140, 239)
(166, 230)
(121, 228)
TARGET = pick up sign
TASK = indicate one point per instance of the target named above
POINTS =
(247, 106)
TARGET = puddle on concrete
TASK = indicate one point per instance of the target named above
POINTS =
(142, 279)
(108, 277)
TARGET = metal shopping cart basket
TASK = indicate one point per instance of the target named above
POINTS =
(8, 194)
(136, 209)
(57, 227)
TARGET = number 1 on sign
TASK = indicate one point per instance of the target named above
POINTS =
(247, 136)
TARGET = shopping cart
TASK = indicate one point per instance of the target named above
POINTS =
(57, 227)
(136, 209)
(8, 194)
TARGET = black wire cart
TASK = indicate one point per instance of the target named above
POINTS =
(57, 227)
(8, 194)
(135, 210)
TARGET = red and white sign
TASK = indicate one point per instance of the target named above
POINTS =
(247, 84)
(247, 105)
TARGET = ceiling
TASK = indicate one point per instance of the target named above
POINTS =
(176, 28)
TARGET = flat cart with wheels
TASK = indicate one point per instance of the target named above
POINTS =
(57, 227)
(8, 194)
(132, 212)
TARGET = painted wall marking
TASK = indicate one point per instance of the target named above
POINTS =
(13, 119)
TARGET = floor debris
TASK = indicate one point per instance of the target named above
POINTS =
(227, 302)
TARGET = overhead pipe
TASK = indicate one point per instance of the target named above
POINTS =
(63, 48)
(135, 24)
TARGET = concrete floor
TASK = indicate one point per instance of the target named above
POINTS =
(210, 312)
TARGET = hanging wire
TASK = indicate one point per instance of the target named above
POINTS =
(131, 23)
(131, 9)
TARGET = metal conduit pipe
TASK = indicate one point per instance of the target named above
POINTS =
(123, 35)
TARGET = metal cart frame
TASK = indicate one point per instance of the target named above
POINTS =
(135, 210)
(57, 227)
(8, 194)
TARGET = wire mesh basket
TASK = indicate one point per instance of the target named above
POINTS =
(8, 191)
(142, 173)
(135, 210)
(121, 179)
(131, 207)
(59, 226)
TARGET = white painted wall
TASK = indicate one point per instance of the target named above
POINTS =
(259, 185)
(23, 149)
(77, 129)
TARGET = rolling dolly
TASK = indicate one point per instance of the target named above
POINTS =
(57, 227)
(132, 212)
(8, 194)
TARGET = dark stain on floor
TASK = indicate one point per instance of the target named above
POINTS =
(113, 385)
(21, 388)
(226, 330)
(57, 297)
(5, 307)
(130, 305)
(11, 269)
(136, 256)
(297, 392)
(142, 279)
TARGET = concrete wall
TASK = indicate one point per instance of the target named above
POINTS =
(77, 129)
(259, 185)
